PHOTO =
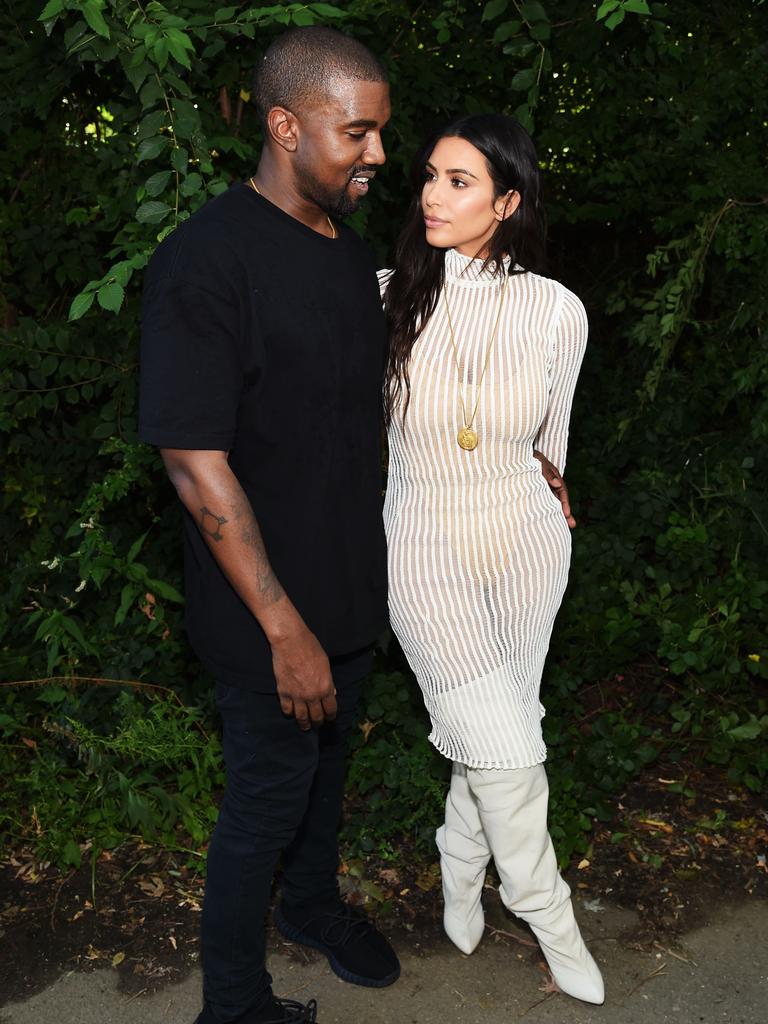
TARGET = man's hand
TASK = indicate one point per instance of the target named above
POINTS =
(304, 682)
(557, 484)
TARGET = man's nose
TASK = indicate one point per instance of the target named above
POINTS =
(374, 151)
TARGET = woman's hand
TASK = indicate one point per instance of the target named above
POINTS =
(557, 485)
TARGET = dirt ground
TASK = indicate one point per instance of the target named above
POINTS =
(670, 854)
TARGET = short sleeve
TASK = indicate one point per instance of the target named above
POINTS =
(191, 375)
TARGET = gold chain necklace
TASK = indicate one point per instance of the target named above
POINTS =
(331, 225)
(467, 436)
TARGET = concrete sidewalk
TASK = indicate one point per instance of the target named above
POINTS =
(718, 973)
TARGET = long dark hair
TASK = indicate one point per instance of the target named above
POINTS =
(419, 272)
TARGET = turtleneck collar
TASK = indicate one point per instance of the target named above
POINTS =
(466, 270)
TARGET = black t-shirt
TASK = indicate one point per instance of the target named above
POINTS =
(264, 338)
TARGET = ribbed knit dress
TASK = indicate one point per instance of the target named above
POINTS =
(479, 549)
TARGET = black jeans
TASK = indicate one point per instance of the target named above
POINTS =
(283, 794)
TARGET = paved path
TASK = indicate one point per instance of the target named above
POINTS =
(717, 975)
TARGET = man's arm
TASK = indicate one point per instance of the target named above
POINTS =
(214, 498)
(556, 482)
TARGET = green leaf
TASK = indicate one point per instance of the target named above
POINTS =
(92, 13)
(224, 13)
(179, 53)
(533, 12)
(74, 631)
(523, 115)
(494, 8)
(111, 296)
(614, 19)
(181, 38)
(179, 43)
(77, 215)
(165, 590)
(53, 695)
(523, 79)
(605, 8)
(51, 9)
(179, 159)
(152, 212)
(636, 7)
(303, 17)
(129, 593)
(328, 10)
(136, 547)
(506, 30)
(160, 52)
(519, 47)
(151, 124)
(80, 305)
(148, 149)
(70, 854)
(121, 272)
(749, 731)
(157, 183)
(191, 184)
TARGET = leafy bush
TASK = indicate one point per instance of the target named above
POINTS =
(120, 119)
(149, 768)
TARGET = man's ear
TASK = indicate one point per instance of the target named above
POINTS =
(283, 128)
(506, 205)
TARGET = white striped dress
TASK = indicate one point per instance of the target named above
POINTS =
(479, 548)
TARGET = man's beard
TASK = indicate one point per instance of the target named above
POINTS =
(333, 202)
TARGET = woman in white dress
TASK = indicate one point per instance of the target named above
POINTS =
(484, 358)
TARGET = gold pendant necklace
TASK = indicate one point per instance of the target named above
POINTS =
(331, 225)
(467, 436)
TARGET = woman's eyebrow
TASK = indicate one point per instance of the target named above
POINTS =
(454, 170)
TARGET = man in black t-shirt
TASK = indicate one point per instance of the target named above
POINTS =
(263, 349)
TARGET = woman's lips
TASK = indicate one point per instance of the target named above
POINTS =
(433, 222)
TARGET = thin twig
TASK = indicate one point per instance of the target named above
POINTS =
(654, 974)
(56, 899)
(511, 935)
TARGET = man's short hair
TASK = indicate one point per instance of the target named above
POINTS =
(299, 64)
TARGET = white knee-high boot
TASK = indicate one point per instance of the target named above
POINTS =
(464, 856)
(512, 808)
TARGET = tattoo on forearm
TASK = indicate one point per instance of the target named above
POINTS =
(211, 524)
(268, 584)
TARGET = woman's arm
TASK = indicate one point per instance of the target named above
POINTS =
(569, 344)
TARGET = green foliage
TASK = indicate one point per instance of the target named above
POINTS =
(396, 782)
(148, 768)
(120, 119)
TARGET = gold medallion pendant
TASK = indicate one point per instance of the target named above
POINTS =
(467, 439)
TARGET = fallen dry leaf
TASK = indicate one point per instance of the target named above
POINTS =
(653, 823)
(366, 728)
(153, 886)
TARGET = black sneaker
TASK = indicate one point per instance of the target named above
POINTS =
(286, 1011)
(356, 951)
(277, 1011)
